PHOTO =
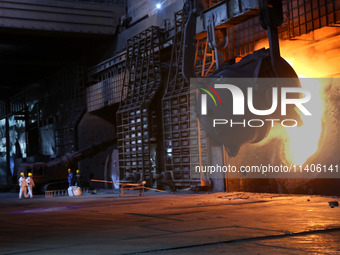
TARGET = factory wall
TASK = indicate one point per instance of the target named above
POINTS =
(91, 130)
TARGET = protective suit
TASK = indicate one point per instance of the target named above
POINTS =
(23, 186)
(30, 185)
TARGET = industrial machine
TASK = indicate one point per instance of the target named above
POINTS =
(261, 64)
(199, 33)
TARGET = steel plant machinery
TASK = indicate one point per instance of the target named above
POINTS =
(261, 64)
(199, 43)
(162, 151)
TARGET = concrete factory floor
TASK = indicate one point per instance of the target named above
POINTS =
(219, 223)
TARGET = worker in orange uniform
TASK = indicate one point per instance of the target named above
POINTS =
(30, 185)
(23, 185)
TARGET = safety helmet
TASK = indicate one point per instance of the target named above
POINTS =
(77, 171)
(69, 170)
(22, 173)
(29, 174)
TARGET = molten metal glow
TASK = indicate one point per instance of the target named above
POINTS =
(303, 141)
(300, 143)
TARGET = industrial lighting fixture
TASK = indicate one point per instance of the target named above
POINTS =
(158, 6)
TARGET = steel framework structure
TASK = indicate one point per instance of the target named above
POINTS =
(185, 144)
(136, 128)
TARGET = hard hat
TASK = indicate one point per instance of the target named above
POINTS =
(77, 171)
(29, 174)
(69, 170)
(22, 173)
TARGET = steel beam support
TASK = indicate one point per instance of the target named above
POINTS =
(62, 16)
(218, 16)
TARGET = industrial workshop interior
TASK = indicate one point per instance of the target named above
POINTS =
(169, 127)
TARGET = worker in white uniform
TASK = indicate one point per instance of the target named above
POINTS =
(30, 185)
(23, 185)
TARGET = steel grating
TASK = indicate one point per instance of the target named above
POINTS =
(106, 81)
(300, 17)
(304, 16)
(181, 135)
(136, 126)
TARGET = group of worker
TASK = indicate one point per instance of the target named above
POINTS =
(28, 183)
(73, 180)
(24, 184)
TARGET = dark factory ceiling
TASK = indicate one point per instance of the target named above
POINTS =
(38, 37)
(27, 57)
